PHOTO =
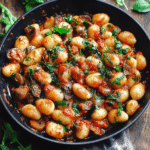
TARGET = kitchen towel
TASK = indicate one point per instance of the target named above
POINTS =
(119, 142)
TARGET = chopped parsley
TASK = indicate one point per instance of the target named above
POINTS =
(109, 25)
(98, 98)
(28, 59)
(102, 30)
(117, 68)
(135, 78)
(108, 58)
(104, 71)
(54, 57)
(30, 74)
(36, 69)
(88, 46)
(32, 91)
(120, 51)
(110, 103)
(81, 52)
(86, 24)
(76, 108)
(118, 44)
(114, 32)
(69, 40)
(73, 59)
(96, 106)
(69, 19)
(48, 33)
(49, 66)
(117, 81)
(86, 72)
(117, 121)
(128, 57)
(120, 109)
(55, 79)
(12, 76)
(112, 97)
(62, 103)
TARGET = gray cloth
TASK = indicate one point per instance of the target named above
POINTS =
(119, 142)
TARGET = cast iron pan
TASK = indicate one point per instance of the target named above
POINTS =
(118, 17)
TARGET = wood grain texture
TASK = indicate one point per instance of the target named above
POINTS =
(140, 131)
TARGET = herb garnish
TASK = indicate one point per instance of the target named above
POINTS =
(62, 103)
(76, 108)
(49, 66)
(141, 6)
(114, 32)
(28, 59)
(118, 44)
(117, 68)
(86, 72)
(120, 51)
(29, 4)
(102, 30)
(10, 134)
(12, 76)
(117, 80)
(121, 3)
(112, 97)
(65, 126)
(128, 57)
(117, 121)
(96, 106)
(7, 18)
(108, 58)
(86, 24)
(104, 71)
(73, 59)
(135, 78)
(69, 19)
(110, 103)
(98, 98)
(30, 74)
(48, 33)
(120, 109)
(62, 30)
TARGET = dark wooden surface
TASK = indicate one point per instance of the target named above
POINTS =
(139, 132)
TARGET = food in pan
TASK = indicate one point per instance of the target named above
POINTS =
(75, 75)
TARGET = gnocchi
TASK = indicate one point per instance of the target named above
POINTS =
(75, 74)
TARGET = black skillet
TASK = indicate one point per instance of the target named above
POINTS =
(118, 17)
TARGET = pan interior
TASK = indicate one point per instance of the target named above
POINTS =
(118, 17)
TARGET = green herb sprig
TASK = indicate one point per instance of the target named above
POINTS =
(10, 134)
(7, 18)
(121, 3)
(29, 4)
(141, 6)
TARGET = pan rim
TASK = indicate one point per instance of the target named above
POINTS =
(82, 142)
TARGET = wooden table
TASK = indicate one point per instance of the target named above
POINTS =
(140, 131)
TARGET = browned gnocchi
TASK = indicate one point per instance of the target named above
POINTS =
(75, 74)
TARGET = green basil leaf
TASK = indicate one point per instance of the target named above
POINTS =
(121, 3)
(7, 18)
(29, 4)
(141, 6)
(62, 30)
